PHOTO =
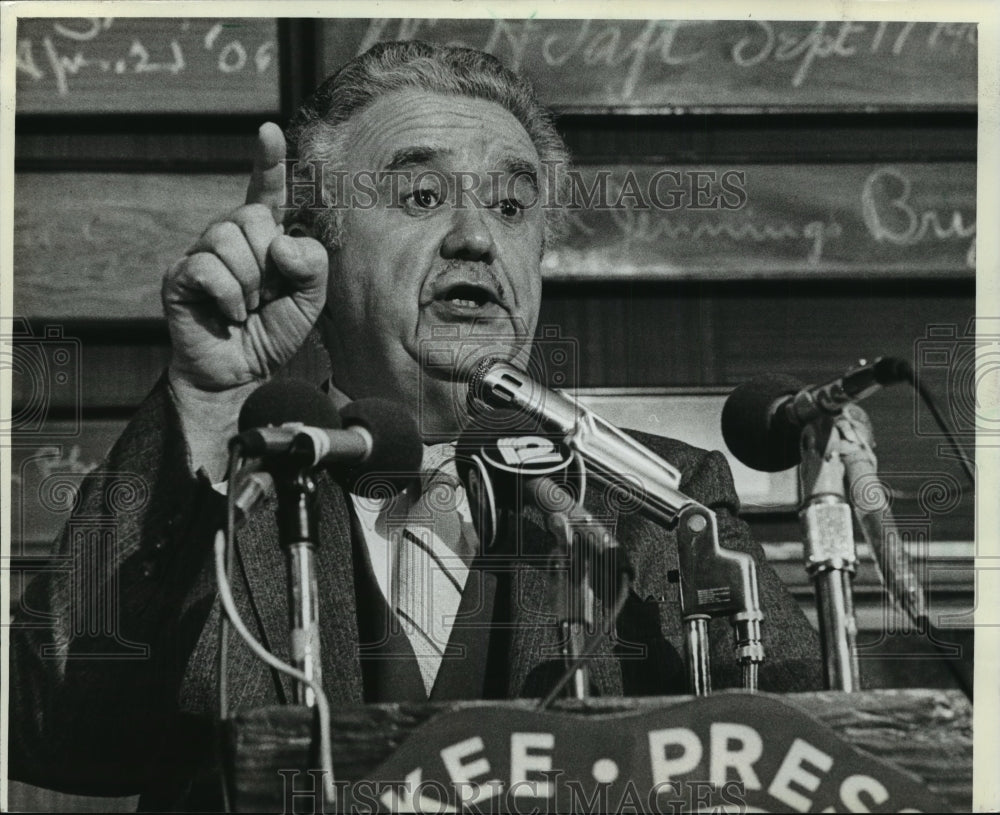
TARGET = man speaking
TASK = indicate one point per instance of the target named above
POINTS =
(436, 166)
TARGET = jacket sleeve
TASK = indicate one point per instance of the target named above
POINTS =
(92, 677)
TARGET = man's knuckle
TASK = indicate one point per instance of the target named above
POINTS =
(203, 269)
(224, 231)
(175, 270)
(256, 212)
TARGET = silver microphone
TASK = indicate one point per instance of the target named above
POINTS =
(610, 454)
(713, 580)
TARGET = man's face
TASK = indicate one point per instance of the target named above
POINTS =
(447, 257)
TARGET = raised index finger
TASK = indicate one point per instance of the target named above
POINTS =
(267, 182)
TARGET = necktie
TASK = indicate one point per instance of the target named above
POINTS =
(432, 555)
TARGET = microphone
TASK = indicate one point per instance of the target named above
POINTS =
(496, 461)
(511, 464)
(763, 418)
(610, 455)
(298, 425)
(284, 401)
(274, 404)
(393, 453)
(291, 423)
(377, 435)
(713, 580)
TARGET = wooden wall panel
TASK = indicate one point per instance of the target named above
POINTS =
(95, 246)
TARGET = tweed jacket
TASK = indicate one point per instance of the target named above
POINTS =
(132, 708)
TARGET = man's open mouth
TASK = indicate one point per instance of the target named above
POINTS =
(468, 295)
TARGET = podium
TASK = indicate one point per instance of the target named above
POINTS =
(884, 750)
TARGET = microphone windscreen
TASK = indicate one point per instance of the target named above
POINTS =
(474, 397)
(397, 451)
(892, 371)
(282, 401)
(497, 454)
(757, 434)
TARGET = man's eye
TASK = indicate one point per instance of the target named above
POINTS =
(424, 198)
(510, 208)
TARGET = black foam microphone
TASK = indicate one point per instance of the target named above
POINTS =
(396, 451)
(507, 464)
(287, 422)
(284, 401)
(279, 402)
(299, 425)
(495, 460)
(762, 419)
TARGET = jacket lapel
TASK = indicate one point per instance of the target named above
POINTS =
(260, 590)
(338, 615)
(261, 564)
(462, 673)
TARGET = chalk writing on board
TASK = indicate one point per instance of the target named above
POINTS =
(78, 47)
(842, 40)
(638, 226)
(893, 216)
(631, 50)
(638, 212)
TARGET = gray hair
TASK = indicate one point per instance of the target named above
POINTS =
(318, 133)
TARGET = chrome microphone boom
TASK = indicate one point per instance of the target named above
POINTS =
(713, 581)
(610, 454)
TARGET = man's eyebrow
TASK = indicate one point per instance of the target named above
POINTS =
(415, 156)
(520, 167)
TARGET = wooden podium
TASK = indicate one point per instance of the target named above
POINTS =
(879, 750)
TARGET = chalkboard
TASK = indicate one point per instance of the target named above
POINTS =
(115, 65)
(96, 245)
(770, 221)
(700, 65)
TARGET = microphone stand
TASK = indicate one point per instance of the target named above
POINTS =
(878, 526)
(297, 518)
(901, 579)
(595, 576)
(576, 611)
(830, 556)
(580, 537)
(716, 581)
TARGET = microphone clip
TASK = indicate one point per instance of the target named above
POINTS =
(713, 582)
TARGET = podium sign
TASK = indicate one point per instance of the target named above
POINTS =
(883, 751)
(728, 751)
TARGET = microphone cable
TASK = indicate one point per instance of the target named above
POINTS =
(589, 645)
(233, 466)
(906, 371)
(232, 469)
(224, 550)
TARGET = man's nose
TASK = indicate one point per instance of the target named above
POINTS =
(469, 237)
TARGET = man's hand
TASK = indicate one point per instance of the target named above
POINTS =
(239, 304)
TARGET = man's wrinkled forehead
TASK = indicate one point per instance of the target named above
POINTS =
(413, 129)
(416, 158)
